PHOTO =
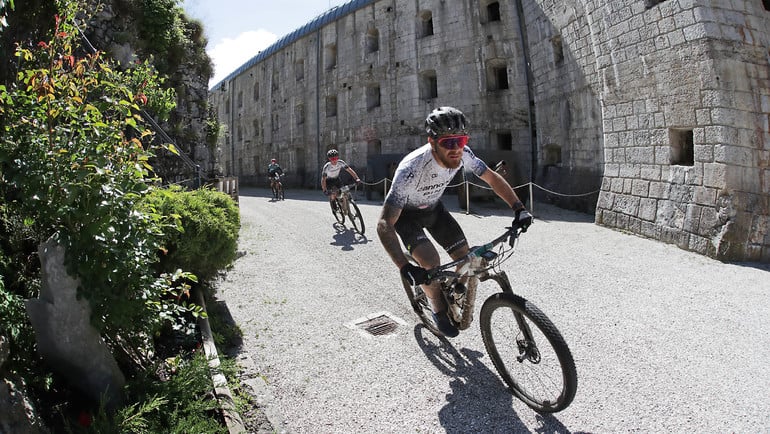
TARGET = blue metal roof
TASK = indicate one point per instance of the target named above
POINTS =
(325, 18)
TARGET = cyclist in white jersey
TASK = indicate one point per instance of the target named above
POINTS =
(330, 175)
(413, 204)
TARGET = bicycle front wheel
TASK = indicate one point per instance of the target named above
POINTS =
(337, 211)
(280, 191)
(420, 303)
(355, 217)
(528, 352)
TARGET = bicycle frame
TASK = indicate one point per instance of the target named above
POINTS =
(344, 198)
(470, 270)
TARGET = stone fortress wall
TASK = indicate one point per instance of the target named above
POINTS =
(659, 107)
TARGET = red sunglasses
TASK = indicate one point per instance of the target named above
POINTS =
(453, 142)
(334, 158)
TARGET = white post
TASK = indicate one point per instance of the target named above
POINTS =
(531, 200)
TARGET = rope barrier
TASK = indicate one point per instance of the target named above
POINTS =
(563, 194)
(468, 183)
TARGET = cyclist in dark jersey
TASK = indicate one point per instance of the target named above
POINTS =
(272, 169)
(413, 204)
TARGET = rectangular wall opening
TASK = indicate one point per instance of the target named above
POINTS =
(682, 150)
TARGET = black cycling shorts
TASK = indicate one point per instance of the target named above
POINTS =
(333, 183)
(439, 223)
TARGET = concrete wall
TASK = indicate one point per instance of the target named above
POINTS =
(652, 114)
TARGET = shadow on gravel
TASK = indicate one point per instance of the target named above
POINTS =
(479, 400)
(347, 238)
(757, 265)
(223, 323)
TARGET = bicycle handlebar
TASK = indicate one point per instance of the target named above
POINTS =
(348, 187)
(511, 234)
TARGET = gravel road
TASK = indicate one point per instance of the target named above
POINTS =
(664, 340)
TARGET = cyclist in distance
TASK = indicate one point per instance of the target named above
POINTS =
(413, 204)
(272, 169)
(330, 175)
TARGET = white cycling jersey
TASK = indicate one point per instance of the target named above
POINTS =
(420, 181)
(333, 170)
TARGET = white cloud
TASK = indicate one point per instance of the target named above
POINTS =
(229, 54)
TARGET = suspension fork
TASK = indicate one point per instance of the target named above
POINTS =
(502, 279)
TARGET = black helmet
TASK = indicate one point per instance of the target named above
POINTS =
(446, 120)
(332, 153)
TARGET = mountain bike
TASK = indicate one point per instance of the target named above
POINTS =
(526, 349)
(345, 205)
(277, 187)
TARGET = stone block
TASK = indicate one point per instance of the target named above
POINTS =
(733, 155)
(703, 116)
(630, 171)
(704, 195)
(694, 175)
(627, 205)
(699, 244)
(695, 32)
(640, 187)
(703, 153)
(648, 209)
(691, 221)
(641, 155)
(658, 190)
(759, 232)
(628, 184)
(709, 221)
(65, 338)
(650, 172)
(634, 225)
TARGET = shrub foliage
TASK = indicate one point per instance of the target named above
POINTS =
(208, 239)
(74, 155)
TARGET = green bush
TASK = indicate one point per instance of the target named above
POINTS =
(74, 165)
(209, 222)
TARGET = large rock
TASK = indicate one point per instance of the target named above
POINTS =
(17, 415)
(65, 337)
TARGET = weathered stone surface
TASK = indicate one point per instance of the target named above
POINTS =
(65, 337)
(17, 416)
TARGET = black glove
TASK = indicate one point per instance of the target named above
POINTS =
(326, 192)
(414, 275)
(522, 219)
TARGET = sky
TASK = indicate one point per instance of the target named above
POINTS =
(239, 29)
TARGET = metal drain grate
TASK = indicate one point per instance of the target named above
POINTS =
(380, 326)
(377, 324)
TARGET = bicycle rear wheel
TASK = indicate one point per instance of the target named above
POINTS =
(540, 370)
(420, 303)
(337, 211)
(355, 217)
(280, 191)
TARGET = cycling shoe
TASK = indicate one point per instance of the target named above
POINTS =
(445, 326)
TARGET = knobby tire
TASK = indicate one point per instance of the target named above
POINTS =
(339, 214)
(547, 382)
(356, 218)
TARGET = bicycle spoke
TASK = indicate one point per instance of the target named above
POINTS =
(538, 367)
